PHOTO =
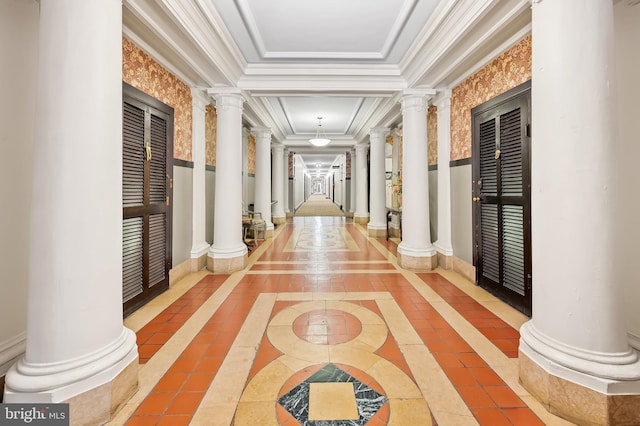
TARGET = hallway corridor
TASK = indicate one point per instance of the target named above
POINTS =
(322, 328)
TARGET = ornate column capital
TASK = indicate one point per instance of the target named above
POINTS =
(361, 148)
(227, 98)
(443, 100)
(379, 132)
(416, 99)
(261, 133)
(278, 148)
(199, 98)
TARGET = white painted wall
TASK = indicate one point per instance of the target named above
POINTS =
(298, 183)
(18, 69)
(627, 40)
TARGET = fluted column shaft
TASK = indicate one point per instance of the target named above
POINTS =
(377, 226)
(277, 184)
(76, 340)
(443, 245)
(415, 251)
(199, 246)
(262, 195)
(228, 252)
(577, 329)
(362, 191)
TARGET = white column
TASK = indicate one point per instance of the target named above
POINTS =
(245, 169)
(262, 195)
(352, 195)
(285, 191)
(199, 246)
(415, 251)
(228, 252)
(443, 245)
(377, 226)
(76, 340)
(362, 192)
(577, 331)
(277, 183)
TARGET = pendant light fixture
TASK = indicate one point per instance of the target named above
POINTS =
(321, 138)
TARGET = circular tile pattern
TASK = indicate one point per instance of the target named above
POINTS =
(327, 326)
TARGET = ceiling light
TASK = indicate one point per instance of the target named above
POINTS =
(321, 138)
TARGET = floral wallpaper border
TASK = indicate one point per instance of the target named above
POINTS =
(144, 73)
(510, 69)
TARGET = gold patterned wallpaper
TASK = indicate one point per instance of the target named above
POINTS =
(145, 74)
(210, 128)
(507, 71)
(347, 165)
(432, 135)
(251, 152)
(400, 148)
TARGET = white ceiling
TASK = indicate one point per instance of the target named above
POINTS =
(347, 61)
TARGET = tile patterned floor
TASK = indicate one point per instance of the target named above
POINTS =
(419, 349)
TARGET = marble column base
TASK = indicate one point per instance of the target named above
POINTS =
(445, 262)
(198, 263)
(279, 220)
(394, 230)
(360, 219)
(376, 231)
(227, 265)
(418, 264)
(98, 405)
(574, 402)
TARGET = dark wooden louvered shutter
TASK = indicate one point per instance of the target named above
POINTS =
(501, 196)
(146, 193)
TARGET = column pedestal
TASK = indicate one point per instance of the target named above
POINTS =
(277, 185)
(443, 244)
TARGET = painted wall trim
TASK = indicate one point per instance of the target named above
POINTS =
(182, 163)
(10, 350)
(461, 162)
(433, 167)
(251, 175)
(210, 168)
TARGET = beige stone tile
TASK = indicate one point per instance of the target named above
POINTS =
(332, 401)
(576, 403)
(372, 336)
(398, 324)
(363, 359)
(438, 391)
(285, 318)
(214, 414)
(295, 364)
(266, 384)
(256, 413)
(302, 296)
(395, 382)
(254, 326)
(454, 419)
(410, 411)
(367, 316)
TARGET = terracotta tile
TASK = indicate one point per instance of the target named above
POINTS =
(185, 403)
(147, 351)
(447, 360)
(504, 396)
(195, 350)
(475, 397)
(459, 345)
(471, 360)
(155, 403)
(460, 377)
(486, 376)
(143, 421)
(174, 421)
(438, 346)
(184, 365)
(170, 382)
(522, 416)
(198, 382)
(208, 364)
(141, 338)
(491, 417)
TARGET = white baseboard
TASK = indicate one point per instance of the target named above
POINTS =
(10, 350)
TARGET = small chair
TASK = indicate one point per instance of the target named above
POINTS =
(257, 225)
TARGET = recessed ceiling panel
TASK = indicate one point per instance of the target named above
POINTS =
(317, 30)
(302, 112)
